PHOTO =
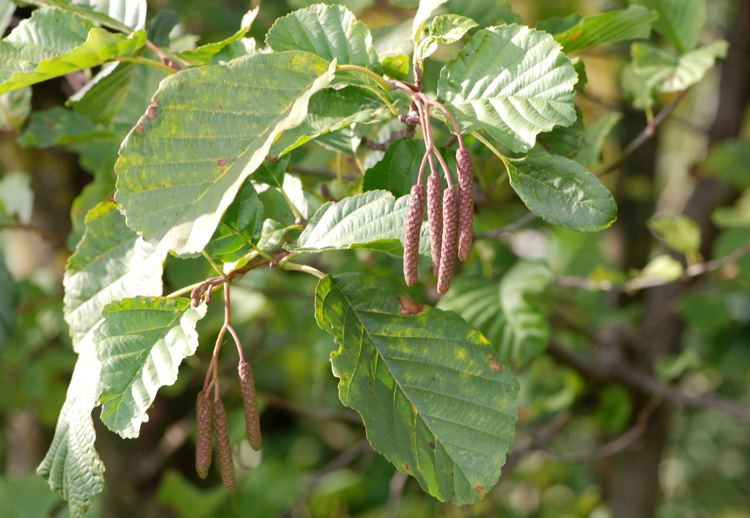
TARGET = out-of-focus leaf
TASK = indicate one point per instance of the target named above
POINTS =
(679, 21)
(122, 15)
(736, 216)
(593, 139)
(17, 196)
(681, 233)
(7, 304)
(27, 497)
(485, 12)
(59, 126)
(559, 24)
(161, 25)
(667, 71)
(730, 161)
(15, 107)
(140, 345)
(393, 41)
(426, 8)
(433, 399)
(663, 267)
(179, 494)
(512, 82)
(204, 54)
(563, 192)
(633, 23)
(102, 188)
(396, 67)
(7, 8)
(564, 140)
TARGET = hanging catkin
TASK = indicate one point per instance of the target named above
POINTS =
(411, 238)
(435, 216)
(450, 235)
(466, 203)
(249, 398)
(203, 443)
(224, 447)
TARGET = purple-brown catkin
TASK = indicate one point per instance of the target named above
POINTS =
(466, 203)
(203, 443)
(249, 398)
(411, 238)
(435, 216)
(221, 432)
(450, 235)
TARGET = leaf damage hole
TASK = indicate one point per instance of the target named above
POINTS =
(409, 307)
(496, 366)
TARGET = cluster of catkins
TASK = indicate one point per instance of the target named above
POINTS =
(450, 212)
(212, 421)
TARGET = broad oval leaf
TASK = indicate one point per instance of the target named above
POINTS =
(329, 31)
(211, 127)
(111, 262)
(432, 396)
(633, 23)
(512, 82)
(140, 345)
(53, 43)
(374, 220)
(667, 71)
(563, 192)
(679, 21)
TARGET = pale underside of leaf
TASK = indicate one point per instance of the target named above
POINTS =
(433, 400)
(213, 127)
(512, 82)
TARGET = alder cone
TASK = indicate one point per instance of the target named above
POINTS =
(250, 400)
(466, 203)
(450, 235)
(221, 432)
(435, 216)
(411, 238)
(203, 443)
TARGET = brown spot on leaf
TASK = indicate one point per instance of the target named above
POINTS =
(151, 112)
(496, 366)
(479, 489)
(222, 162)
(432, 445)
(576, 36)
(139, 128)
(406, 467)
(409, 307)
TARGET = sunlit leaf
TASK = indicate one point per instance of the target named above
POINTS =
(205, 53)
(679, 232)
(633, 23)
(446, 28)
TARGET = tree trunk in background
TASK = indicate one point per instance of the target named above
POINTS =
(631, 477)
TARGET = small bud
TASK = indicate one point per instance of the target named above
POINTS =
(224, 447)
(466, 203)
(450, 235)
(411, 238)
(249, 398)
(203, 444)
(435, 215)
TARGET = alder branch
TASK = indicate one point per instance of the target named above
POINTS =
(636, 284)
(615, 368)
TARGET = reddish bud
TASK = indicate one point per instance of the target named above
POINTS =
(466, 203)
(224, 447)
(203, 444)
(249, 398)
(435, 216)
(411, 238)
(450, 235)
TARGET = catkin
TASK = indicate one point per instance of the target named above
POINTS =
(249, 398)
(466, 203)
(411, 239)
(203, 444)
(435, 216)
(450, 235)
(221, 432)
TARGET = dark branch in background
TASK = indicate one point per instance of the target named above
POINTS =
(615, 368)
(647, 133)
(45, 234)
(636, 284)
(317, 414)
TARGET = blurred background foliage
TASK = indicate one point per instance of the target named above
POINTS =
(585, 445)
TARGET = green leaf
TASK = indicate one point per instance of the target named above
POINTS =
(212, 128)
(330, 110)
(7, 304)
(485, 12)
(398, 170)
(102, 97)
(563, 192)
(730, 161)
(736, 216)
(517, 328)
(17, 196)
(374, 220)
(15, 107)
(234, 50)
(395, 40)
(663, 267)
(61, 127)
(593, 138)
(667, 71)
(53, 43)
(161, 25)
(559, 24)
(564, 140)
(7, 8)
(681, 233)
(426, 8)
(633, 23)
(446, 28)
(102, 188)
(140, 345)
(240, 226)
(433, 399)
(331, 32)
(121, 15)
(110, 263)
(203, 54)
(512, 82)
(679, 21)
(396, 67)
